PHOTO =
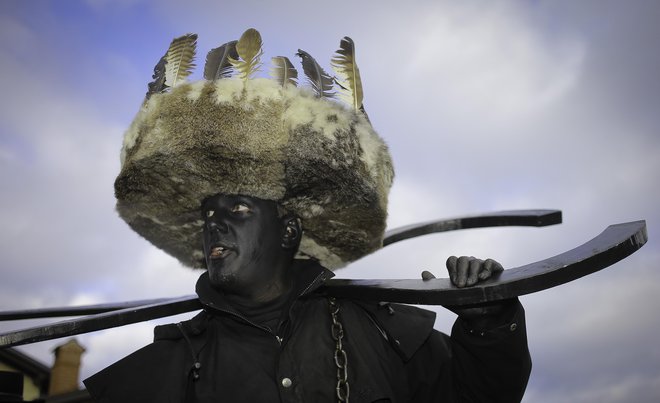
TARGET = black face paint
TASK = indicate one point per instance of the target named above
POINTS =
(243, 243)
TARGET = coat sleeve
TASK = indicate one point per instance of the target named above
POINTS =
(472, 366)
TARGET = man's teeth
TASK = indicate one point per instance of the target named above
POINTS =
(217, 251)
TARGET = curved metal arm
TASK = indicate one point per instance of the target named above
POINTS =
(76, 310)
(101, 321)
(527, 218)
(612, 245)
(532, 218)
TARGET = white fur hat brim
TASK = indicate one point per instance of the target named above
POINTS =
(315, 157)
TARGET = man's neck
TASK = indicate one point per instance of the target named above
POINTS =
(263, 294)
(303, 275)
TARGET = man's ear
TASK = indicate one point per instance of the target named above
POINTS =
(292, 232)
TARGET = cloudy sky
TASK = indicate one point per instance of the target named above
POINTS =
(486, 105)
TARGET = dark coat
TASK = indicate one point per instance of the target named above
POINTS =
(393, 355)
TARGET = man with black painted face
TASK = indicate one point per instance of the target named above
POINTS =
(249, 247)
(270, 188)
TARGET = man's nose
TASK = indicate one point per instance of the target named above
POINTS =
(217, 226)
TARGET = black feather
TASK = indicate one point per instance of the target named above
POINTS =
(158, 85)
(317, 77)
(217, 61)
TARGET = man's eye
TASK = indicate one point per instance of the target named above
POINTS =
(209, 213)
(240, 208)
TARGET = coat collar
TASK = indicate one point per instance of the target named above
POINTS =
(310, 275)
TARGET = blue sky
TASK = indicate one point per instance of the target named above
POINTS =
(485, 105)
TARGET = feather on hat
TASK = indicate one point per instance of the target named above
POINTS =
(256, 137)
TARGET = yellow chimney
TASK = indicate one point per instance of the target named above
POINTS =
(64, 375)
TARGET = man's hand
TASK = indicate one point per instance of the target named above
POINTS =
(468, 270)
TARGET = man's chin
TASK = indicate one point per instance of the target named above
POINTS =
(222, 280)
(224, 271)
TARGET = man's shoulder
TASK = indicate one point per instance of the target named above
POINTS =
(175, 331)
(140, 375)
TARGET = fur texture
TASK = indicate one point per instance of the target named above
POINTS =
(315, 157)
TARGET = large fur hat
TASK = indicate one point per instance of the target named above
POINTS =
(319, 159)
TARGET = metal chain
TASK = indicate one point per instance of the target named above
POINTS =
(343, 389)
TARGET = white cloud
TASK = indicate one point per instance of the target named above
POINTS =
(155, 274)
(639, 388)
(493, 61)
